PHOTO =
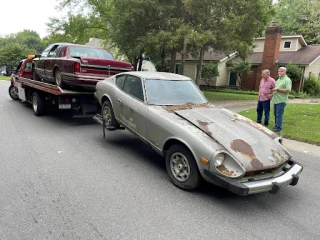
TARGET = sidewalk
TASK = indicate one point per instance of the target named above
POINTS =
(241, 105)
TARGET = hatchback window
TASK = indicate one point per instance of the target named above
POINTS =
(133, 86)
(120, 80)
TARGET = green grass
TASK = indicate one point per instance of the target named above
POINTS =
(301, 122)
(229, 95)
(5, 78)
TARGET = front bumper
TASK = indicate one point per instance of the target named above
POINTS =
(290, 176)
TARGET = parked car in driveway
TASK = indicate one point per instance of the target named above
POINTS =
(75, 65)
(198, 140)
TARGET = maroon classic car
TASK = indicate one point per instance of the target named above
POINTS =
(76, 65)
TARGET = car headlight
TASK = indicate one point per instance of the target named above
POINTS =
(226, 165)
(218, 159)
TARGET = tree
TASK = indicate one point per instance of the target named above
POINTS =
(295, 73)
(209, 72)
(12, 53)
(241, 67)
(229, 25)
(299, 17)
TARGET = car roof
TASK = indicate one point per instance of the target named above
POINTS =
(79, 45)
(158, 75)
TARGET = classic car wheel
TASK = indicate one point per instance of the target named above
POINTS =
(38, 104)
(13, 94)
(108, 115)
(58, 78)
(182, 168)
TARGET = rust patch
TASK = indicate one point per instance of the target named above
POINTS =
(257, 126)
(238, 145)
(188, 105)
(225, 171)
(204, 127)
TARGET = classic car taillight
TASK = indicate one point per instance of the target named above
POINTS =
(76, 67)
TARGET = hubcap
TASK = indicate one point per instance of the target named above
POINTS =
(13, 92)
(58, 78)
(35, 103)
(106, 114)
(180, 167)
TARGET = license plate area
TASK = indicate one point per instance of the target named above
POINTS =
(65, 106)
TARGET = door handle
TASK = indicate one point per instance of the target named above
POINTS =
(119, 100)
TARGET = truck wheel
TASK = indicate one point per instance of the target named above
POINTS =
(182, 168)
(13, 94)
(38, 104)
(108, 115)
(58, 78)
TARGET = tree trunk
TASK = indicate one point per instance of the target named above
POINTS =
(173, 61)
(135, 63)
(140, 62)
(200, 63)
(163, 56)
(183, 56)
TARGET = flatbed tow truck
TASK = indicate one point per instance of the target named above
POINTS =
(45, 96)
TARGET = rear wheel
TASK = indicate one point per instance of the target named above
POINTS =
(38, 104)
(182, 168)
(108, 119)
(58, 78)
(12, 92)
(35, 75)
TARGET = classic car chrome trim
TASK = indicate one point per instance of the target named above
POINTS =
(105, 67)
(257, 186)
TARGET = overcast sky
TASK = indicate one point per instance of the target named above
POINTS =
(17, 15)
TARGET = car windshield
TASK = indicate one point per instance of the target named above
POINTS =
(76, 51)
(173, 92)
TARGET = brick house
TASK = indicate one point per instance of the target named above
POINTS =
(275, 50)
(272, 51)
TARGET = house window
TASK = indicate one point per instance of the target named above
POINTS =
(287, 44)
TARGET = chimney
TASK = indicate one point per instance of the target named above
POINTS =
(270, 52)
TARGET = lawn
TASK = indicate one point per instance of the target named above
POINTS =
(229, 95)
(5, 78)
(301, 122)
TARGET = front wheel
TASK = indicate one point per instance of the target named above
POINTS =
(182, 168)
(38, 104)
(12, 92)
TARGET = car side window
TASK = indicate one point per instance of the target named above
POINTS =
(53, 51)
(133, 86)
(46, 51)
(28, 66)
(120, 80)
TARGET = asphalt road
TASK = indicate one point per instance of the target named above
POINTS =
(59, 179)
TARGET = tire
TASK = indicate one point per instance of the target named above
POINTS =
(107, 114)
(38, 104)
(182, 168)
(13, 94)
(35, 75)
(58, 78)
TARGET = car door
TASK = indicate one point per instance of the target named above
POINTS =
(51, 61)
(132, 109)
(39, 62)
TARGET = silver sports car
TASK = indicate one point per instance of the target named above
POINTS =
(197, 139)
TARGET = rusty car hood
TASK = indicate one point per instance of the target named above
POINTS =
(252, 145)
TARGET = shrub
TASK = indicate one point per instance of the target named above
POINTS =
(312, 86)
(294, 72)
